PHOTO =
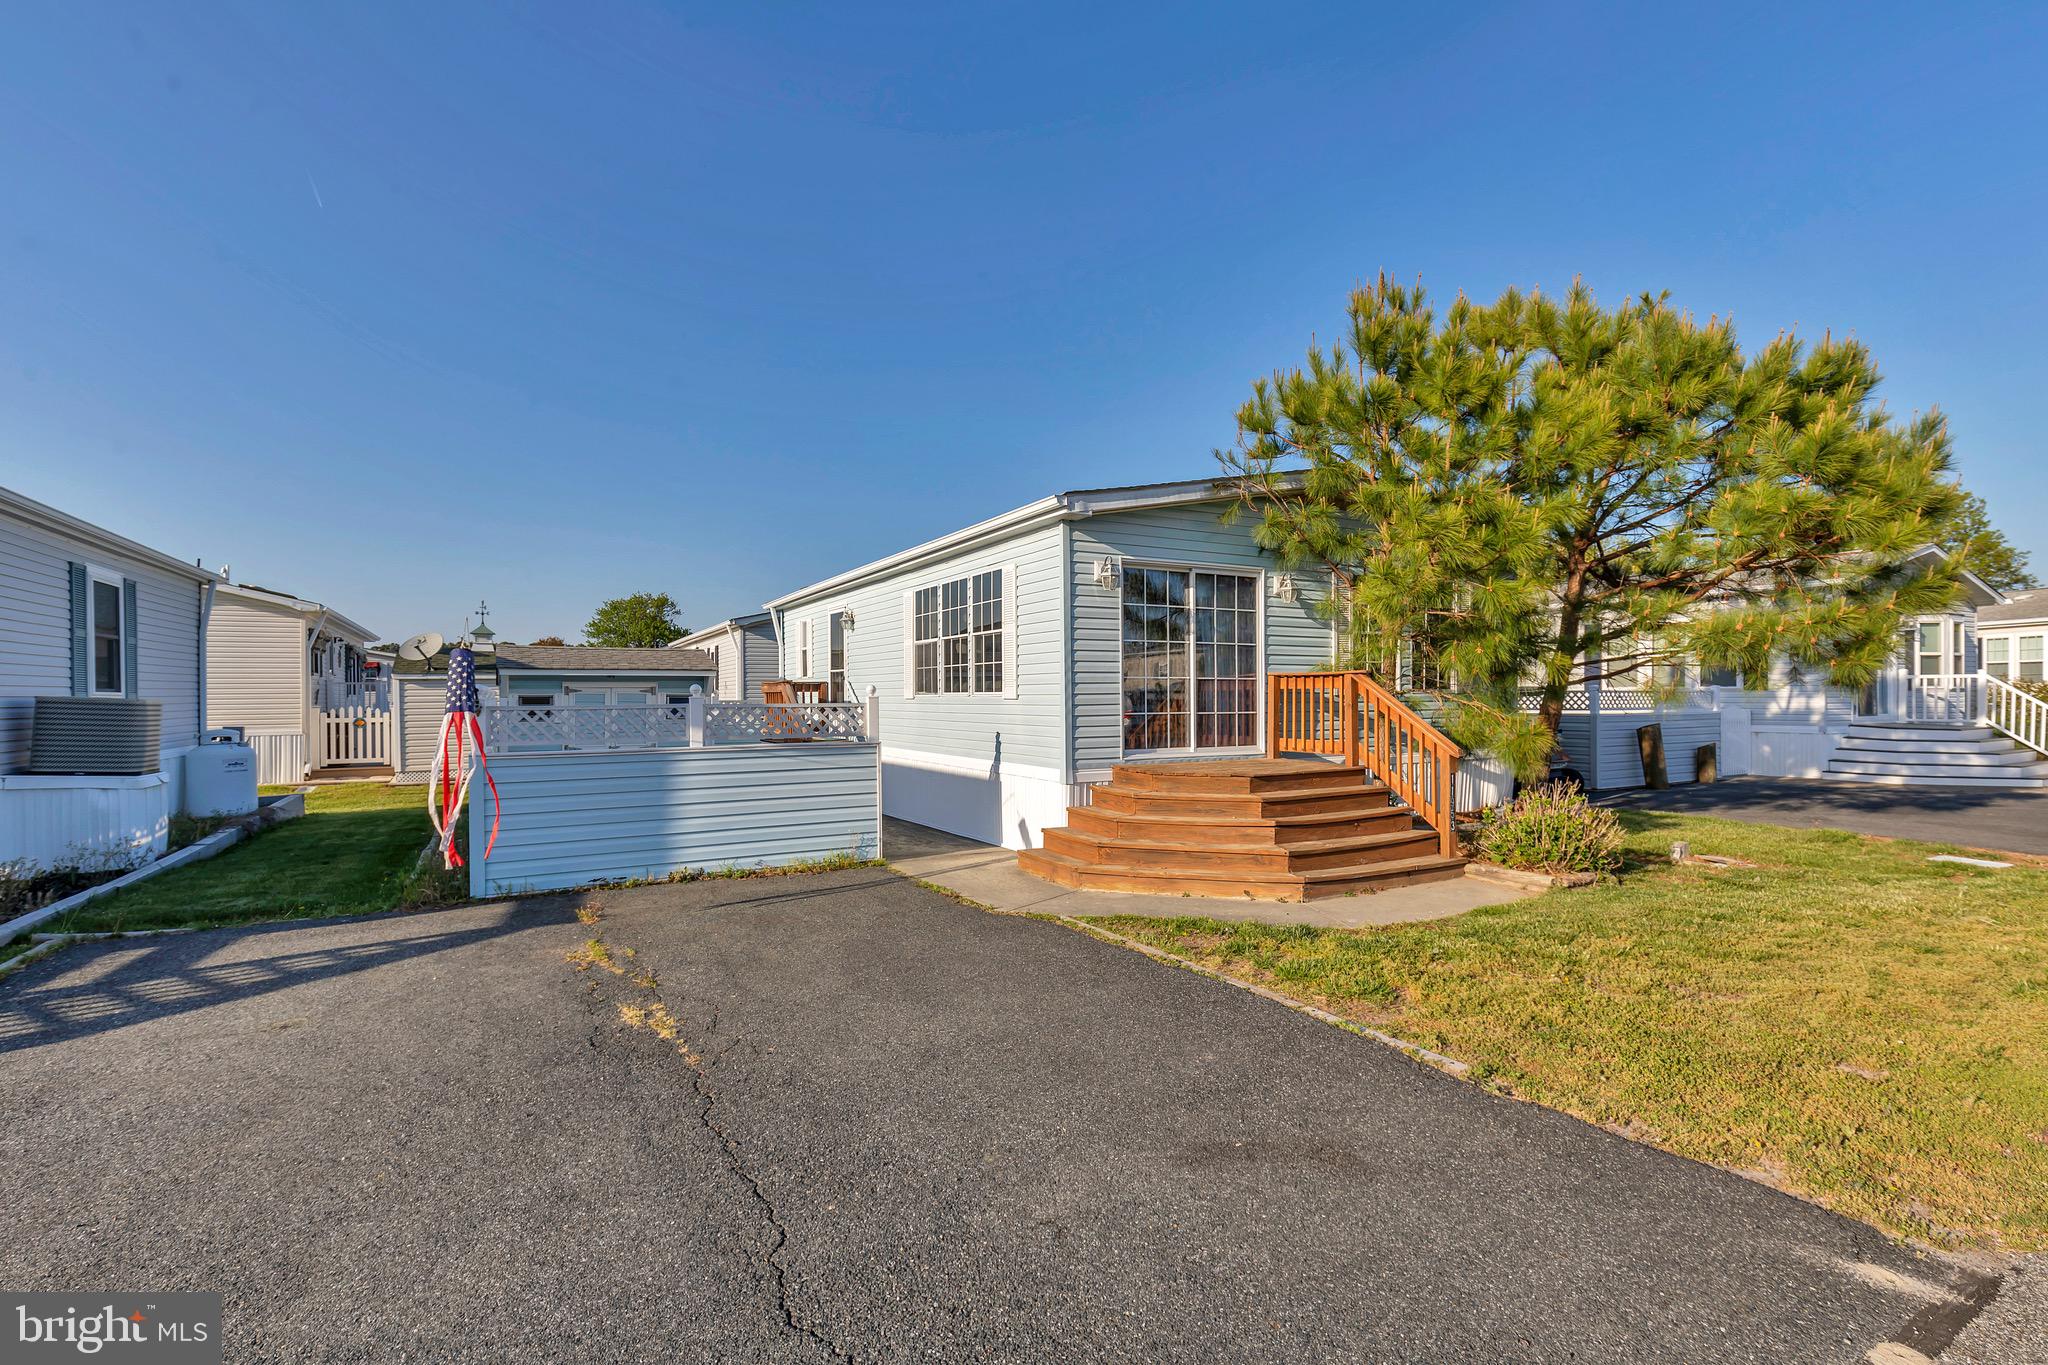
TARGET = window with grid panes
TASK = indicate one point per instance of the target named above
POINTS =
(958, 635)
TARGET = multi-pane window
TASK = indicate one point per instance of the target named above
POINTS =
(2030, 657)
(1930, 648)
(958, 635)
(1190, 659)
(1998, 658)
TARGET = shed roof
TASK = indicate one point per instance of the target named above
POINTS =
(591, 659)
(313, 610)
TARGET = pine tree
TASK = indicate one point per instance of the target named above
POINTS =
(1545, 492)
(1991, 556)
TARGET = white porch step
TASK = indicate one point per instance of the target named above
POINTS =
(1987, 756)
(1999, 783)
(1897, 768)
(1925, 754)
(1864, 745)
(1901, 732)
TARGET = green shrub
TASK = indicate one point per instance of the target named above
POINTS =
(2033, 687)
(1551, 828)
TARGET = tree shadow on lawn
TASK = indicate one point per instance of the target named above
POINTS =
(160, 976)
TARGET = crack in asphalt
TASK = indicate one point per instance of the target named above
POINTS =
(656, 1018)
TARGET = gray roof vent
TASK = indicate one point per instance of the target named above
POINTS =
(119, 736)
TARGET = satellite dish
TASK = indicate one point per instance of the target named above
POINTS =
(421, 647)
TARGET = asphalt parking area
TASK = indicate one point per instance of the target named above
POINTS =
(2010, 821)
(840, 1117)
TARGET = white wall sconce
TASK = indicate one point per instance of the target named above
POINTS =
(1108, 572)
(1284, 589)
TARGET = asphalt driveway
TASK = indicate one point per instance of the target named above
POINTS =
(2012, 821)
(843, 1118)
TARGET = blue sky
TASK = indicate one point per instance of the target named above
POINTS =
(402, 306)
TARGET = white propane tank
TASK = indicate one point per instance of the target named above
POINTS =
(220, 776)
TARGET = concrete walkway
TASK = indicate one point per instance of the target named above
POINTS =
(990, 876)
(2008, 821)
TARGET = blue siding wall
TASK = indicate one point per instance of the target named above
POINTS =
(978, 729)
(577, 818)
(1296, 636)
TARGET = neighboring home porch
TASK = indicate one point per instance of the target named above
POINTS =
(290, 675)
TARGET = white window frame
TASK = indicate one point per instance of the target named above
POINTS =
(1005, 633)
(2020, 661)
(803, 649)
(1264, 589)
(1999, 646)
(94, 575)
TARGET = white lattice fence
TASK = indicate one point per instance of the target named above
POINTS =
(698, 723)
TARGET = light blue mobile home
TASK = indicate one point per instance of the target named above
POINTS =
(1018, 658)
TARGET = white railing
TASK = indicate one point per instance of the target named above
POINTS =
(1931, 698)
(346, 735)
(674, 725)
(2022, 715)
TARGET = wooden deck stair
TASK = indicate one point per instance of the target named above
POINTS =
(1270, 829)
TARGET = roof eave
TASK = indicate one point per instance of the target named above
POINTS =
(64, 523)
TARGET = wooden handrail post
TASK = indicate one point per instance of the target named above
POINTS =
(1272, 715)
(1447, 830)
(1348, 695)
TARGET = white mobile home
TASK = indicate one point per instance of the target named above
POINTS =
(743, 649)
(285, 671)
(88, 613)
(1019, 658)
(2012, 636)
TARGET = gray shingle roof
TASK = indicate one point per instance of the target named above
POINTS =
(2027, 604)
(588, 659)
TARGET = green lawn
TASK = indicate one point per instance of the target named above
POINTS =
(352, 852)
(1845, 1020)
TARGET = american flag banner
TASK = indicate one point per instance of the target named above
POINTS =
(448, 787)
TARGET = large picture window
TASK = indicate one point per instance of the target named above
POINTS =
(1190, 659)
(958, 639)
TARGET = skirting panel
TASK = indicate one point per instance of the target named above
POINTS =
(1007, 807)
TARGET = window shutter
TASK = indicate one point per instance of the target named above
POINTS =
(909, 643)
(1010, 661)
(81, 634)
(129, 663)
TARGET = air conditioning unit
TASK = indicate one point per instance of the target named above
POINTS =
(111, 735)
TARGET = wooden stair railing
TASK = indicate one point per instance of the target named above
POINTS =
(1353, 717)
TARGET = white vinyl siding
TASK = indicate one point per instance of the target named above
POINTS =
(256, 666)
(1021, 725)
(1191, 536)
(759, 644)
(35, 632)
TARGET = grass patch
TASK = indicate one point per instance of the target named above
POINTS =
(1859, 1026)
(353, 852)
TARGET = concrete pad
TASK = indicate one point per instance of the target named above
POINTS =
(990, 876)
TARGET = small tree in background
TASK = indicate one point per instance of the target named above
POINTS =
(550, 640)
(1990, 555)
(642, 620)
(1547, 492)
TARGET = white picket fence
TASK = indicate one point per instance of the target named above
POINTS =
(351, 737)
